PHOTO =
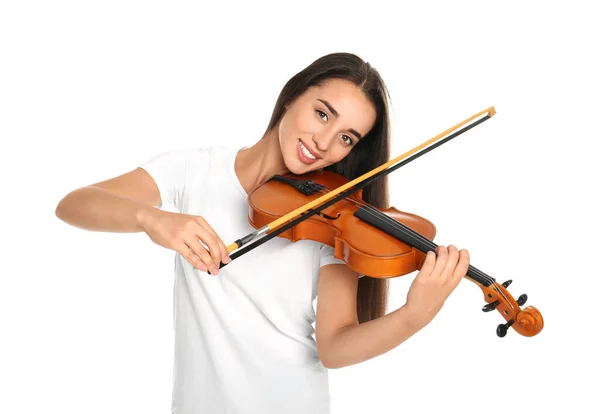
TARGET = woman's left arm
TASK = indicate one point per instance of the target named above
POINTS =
(341, 340)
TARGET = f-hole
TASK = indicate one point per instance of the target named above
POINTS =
(326, 216)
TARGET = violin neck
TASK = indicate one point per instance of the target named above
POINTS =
(405, 234)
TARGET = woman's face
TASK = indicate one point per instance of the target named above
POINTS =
(323, 124)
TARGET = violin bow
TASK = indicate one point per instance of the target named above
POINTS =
(302, 213)
(527, 322)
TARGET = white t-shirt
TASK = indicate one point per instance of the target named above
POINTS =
(243, 339)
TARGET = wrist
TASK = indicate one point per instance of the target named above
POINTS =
(410, 318)
(144, 216)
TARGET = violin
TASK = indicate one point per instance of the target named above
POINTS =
(380, 243)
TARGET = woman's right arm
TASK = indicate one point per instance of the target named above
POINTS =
(123, 204)
(126, 204)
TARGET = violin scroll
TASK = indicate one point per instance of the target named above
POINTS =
(527, 322)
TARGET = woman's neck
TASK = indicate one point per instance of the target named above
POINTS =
(256, 164)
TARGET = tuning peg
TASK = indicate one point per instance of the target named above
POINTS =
(507, 283)
(490, 306)
(503, 328)
(522, 299)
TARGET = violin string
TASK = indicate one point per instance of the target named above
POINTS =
(407, 230)
(430, 244)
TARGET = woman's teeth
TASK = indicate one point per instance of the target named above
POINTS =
(307, 152)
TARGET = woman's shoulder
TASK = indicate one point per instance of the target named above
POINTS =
(200, 153)
(210, 158)
(193, 161)
(213, 150)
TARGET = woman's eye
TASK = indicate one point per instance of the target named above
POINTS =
(347, 140)
(321, 114)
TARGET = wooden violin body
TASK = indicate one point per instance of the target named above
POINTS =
(375, 242)
(363, 248)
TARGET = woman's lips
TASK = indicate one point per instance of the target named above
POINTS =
(303, 157)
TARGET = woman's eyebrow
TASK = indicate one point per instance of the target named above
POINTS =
(334, 112)
(328, 105)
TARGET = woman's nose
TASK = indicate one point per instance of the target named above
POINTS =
(323, 141)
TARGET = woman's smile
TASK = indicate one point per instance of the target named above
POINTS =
(305, 154)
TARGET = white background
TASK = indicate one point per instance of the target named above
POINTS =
(89, 90)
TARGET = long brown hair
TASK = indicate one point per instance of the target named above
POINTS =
(370, 152)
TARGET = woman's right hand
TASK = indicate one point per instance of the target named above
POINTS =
(438, 277)
(184, 233)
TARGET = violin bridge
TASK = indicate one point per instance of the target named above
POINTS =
(306, 187)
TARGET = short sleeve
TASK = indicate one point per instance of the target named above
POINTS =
(326, 257)
(169, 171)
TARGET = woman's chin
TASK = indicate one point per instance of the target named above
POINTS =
(297, 169)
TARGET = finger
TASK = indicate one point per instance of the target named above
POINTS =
(428, 264)
(450, 263)
(440, 262)
(204, 239)
(224, 255)
(191, 257)
(214, 250)
(198, 249)
(461, 268)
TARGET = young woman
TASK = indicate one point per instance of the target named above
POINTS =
(243, 335)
